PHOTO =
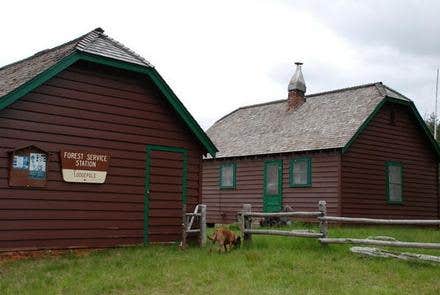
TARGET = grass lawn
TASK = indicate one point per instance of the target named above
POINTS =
(270, 265)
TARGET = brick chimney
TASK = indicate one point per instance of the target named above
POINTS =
(297, 89)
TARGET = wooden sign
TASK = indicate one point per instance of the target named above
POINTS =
(28, 167)
(84, 166)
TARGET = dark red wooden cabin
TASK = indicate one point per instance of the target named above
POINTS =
(93, 94)
(364, 149)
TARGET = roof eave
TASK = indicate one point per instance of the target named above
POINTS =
(38, 80)
(379, 106)
(323, 150)
(44, 76)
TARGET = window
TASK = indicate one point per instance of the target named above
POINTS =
(272, 177)
(394, 172)
(301, 172)
(227, 175)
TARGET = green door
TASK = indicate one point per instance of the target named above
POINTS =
(273, 186)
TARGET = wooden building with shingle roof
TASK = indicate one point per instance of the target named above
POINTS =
(365, 150)
(95, 149)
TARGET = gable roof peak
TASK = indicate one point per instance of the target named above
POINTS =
(19, 78)
(98, 43)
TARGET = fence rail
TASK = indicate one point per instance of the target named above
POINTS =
(293, 233)
(247, 230)
(321, 215)
(379, 221)
(283, 214)
(379, 243)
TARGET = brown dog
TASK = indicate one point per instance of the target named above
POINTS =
(224, 237)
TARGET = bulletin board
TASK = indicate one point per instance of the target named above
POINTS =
(28, 167)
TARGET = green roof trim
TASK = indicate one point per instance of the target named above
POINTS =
(27, 87)
(148, 71)
(415, 112)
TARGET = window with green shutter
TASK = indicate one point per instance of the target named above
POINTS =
(300, 172)
(394, 182)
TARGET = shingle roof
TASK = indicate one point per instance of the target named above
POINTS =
(95, 42)
(19, 78)
(326, 120)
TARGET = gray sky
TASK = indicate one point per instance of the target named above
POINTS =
(220, 55)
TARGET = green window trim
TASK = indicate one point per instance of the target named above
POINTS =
(279, 163)
(293, 162)
(387, 182)
(234, 176)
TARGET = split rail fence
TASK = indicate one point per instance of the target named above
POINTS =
(321, 214)
(247, 231)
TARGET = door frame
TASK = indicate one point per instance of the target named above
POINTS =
(279, 163)
(161, 148)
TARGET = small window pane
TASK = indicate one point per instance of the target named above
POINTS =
(394, 172)
(272, 179)
(300, 178)
(395, 192)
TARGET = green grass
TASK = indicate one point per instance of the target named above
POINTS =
(270, 265)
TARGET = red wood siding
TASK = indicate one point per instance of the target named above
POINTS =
(363, 169)
(91, 107)
(223, 204)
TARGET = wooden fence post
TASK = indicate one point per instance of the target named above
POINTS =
(202, 225)
(246, 222)
(323, 224)
(184, 226)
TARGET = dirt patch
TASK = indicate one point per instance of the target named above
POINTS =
(19, 255)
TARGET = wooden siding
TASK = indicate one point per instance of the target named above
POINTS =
(92, 107)
(363, 169)
(165, 206)
(223, 204)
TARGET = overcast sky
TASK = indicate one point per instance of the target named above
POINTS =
(220, 55)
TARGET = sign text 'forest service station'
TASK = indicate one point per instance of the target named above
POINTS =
(82, 166)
